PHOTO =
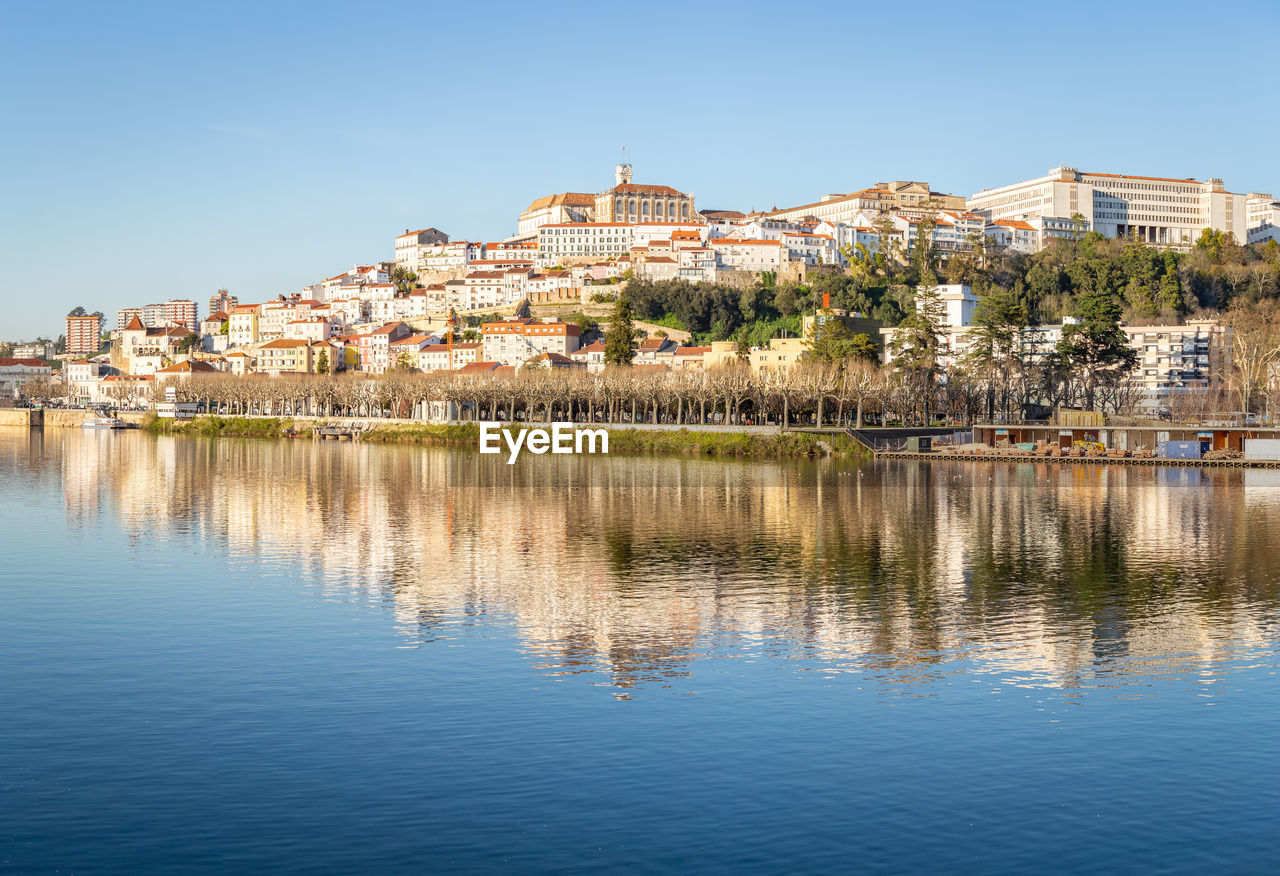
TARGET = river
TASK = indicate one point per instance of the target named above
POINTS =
(268, 655)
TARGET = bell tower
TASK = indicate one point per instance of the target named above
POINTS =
(622, 174)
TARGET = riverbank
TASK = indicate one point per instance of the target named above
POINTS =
(622, 439)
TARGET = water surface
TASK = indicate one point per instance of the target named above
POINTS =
(271, 655)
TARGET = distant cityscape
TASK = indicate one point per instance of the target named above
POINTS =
(536, 299)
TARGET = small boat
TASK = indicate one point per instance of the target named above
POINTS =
(104, 423)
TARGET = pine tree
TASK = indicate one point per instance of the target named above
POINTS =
(1096, 349)
(620, 345)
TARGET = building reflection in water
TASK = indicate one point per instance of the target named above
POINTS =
(638, 568)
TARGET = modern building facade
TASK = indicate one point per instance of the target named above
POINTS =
(1263, 218)
(221, 302)
(181, 311)
(84, 334)
(1159, 211)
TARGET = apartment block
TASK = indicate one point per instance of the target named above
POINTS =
(84, 334)
(516, 341)
(1160, 211)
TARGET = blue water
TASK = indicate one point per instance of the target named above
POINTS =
(265, 656)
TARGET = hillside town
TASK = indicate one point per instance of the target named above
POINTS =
(896, 276)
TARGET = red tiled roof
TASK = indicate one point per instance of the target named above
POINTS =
(478, 368)
(188, 367)
(638, 189)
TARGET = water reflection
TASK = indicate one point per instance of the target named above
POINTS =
(638, 570)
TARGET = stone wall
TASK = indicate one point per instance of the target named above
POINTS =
(68, 419)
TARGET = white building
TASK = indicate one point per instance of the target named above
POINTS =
(597, 240)
(37, 350)
(242, 325)
(747, 255)
(810, 248)
(516, 341)
(1157, 210)
(15, 372)
(591, 357)
(1263, 221)
(448, 256)
(644, 233)
(80, 380)
(564, 208)
(409, 246)
(1018, 235)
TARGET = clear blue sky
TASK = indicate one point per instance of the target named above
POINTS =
(156, 150)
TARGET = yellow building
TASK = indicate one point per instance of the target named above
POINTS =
(721, 353)
(284, 356)
(781, 354)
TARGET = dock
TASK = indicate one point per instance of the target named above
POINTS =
(341, 432)
(1023, 457)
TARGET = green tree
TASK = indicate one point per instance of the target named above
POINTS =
(1096, 350)
(620, 341)
(743, 351)
(923, 254)
(917, 347)
(403, 278)
(919, 341)
(188, 342)
(833, 341)
(886, 244)
(322, 362)
(995, 347)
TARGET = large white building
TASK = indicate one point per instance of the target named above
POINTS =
(558, 209)
(596, 240)
(748, 255)
(1264, 218)
(1158, 210)
(516, 341)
